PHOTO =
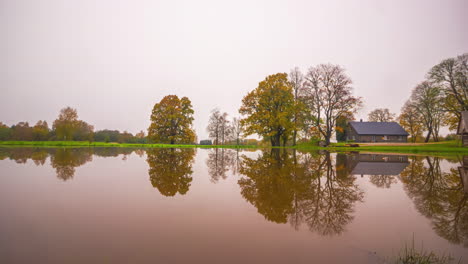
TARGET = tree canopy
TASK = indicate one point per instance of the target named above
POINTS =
(268, 110)
(171, 121)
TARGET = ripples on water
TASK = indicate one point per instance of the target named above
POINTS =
(226, 205)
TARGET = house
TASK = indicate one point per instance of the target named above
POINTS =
(464, 173)
(463, 128)
(376, 132)
(374, 164)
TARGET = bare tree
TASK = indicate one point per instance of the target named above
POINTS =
(381, 115)
(428, 100)
(297, 80)
(214, 126)
(236, 129)
(218, 127)
(451, 75)
(330, 93)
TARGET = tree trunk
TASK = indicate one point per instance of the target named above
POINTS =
(294, 138)
(428, 136)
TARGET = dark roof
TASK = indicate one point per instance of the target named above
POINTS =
(379, 168)
(378, 128)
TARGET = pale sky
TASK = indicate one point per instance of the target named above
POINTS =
(113, 60)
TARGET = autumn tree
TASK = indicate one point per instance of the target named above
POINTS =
(22, 131)
(451, 75)
(330, 93)
(410, 120)
(381, 115)
(41, 131)
(342, 123)
(218, 127)
(5, 132)
(171, 121)
(170, 169)
(268, 110)
(65, 124)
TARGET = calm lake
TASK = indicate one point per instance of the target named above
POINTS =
(118, 205)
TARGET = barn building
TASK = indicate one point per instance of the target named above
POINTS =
(363, 132)
(463, 128)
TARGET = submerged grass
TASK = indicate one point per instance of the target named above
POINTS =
(443, 148)
(411, 255)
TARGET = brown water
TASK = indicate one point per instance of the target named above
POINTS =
(115, 205)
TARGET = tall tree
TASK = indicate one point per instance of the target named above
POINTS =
(410, 120)
(427, 98)
(381, 115)
(269, 109)
(330, 93)
(451, 75)
(297, 80)
(66, 123)
(171, 121)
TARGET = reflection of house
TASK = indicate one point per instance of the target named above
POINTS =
(376, 164)
(463, 128)
(464, 173)
(376, 132)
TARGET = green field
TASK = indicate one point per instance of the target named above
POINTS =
(443, 148)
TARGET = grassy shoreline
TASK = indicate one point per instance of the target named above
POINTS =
(445, 148)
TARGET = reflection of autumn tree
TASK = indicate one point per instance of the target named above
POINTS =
(439, 196)
(171, 169)
(268, 184)
(218, 162)
(300, 188)
(22, 155)
(65, 160)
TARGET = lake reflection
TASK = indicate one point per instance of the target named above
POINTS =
(364, 206)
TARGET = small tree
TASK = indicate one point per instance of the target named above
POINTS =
(410, 120)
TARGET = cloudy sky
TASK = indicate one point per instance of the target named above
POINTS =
(113, 60)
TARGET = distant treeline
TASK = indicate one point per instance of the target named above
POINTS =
(66, 127)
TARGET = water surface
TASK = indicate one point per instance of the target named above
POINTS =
(118, 205)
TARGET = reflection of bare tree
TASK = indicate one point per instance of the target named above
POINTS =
(300, 188)
(439, 196)
(65, 160)
(383, 181)
(328, 207)
(218, 163)
(171, 169)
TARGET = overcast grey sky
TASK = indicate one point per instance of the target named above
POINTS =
(113, 60)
